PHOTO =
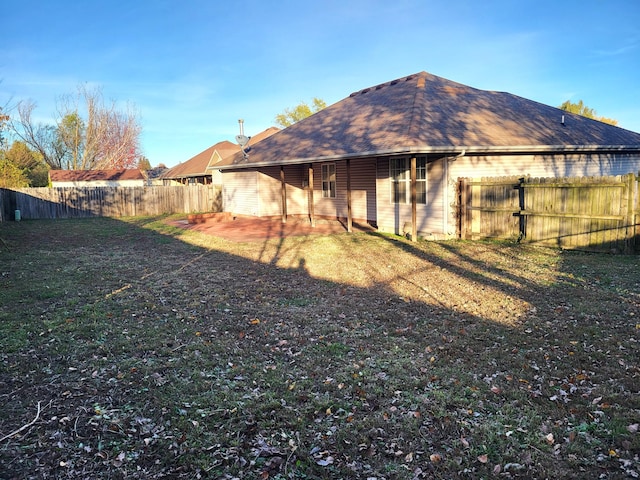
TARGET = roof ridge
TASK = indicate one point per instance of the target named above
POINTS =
(419, 88)
(389, 83)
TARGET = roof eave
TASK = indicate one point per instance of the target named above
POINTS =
(449, 150)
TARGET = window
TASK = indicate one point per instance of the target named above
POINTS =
(329, 180)
(400, 176)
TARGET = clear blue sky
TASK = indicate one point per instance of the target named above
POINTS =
(192, 68)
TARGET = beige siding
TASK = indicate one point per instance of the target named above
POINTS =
(363, 190)
(363, 187)
(271, 191)
(396, 218)
(330, 207)
(570, 165)
(297, 196)
(240, 192)
(576, 165)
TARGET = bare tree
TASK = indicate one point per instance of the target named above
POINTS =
(40, 137)
(105, 138)
(88, 134)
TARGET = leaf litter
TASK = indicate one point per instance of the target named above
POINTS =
(155, 354)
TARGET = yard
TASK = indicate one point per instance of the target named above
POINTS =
(136, 349)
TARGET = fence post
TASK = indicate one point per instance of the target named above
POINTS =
(461, 214)
(522, 220)
(632, 242)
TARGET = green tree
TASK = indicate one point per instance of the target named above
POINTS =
(72, 134)
(581, 109)
(11, 176)
(299, 112)
(30, 163)
(144, 163)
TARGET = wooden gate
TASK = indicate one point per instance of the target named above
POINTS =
(586, 213)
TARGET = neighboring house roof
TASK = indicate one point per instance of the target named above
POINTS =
(423, 113)
(199, 165)
(95, 175)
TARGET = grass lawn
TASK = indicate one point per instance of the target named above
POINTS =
(132, 349)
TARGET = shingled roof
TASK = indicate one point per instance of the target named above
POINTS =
(424, 113)
(197, 165)
(95, 175)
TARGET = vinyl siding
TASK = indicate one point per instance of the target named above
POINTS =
(570, 165)
(363, 190)
(240, 192)
(363, 197)
(271, 191)
(574, 165)
(394, 217)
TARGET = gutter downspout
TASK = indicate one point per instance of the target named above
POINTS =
(446, 206)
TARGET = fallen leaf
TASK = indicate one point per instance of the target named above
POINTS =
(633, 428)
(483, 458)
(435, 457)
(495, 389)
(323, 462)
(549, 438)
(408, 457)
(465, 442)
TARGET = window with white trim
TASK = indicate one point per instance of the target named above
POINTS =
(329, 180)
(400, 179)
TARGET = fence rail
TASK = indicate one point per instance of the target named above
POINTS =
(72, 202)
(586, 213)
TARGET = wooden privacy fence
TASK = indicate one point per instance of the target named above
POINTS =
(72, 202)
(586, 213)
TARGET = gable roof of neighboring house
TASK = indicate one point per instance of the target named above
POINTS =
(424, 113)
(199, 165)
(95, 175)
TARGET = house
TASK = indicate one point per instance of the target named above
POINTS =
(201, 168)
(97, 178)
(361, 158)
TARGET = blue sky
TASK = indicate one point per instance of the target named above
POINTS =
(192, 68)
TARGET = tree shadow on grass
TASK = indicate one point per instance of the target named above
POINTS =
(350, 355)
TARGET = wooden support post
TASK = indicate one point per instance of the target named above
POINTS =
(349, 213)
(461, 208)
(284, 195)
(312, 216)
(414, 198)
(629, 210)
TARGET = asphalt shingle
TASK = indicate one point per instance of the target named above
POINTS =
(424, 112)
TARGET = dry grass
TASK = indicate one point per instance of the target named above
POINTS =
(160, 353)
